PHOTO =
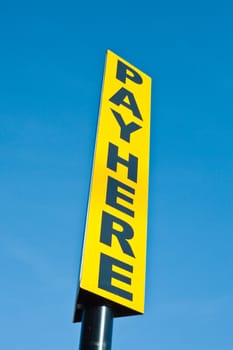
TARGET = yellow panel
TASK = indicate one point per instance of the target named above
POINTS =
(114, 252)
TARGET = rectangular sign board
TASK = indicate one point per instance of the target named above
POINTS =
(114, 252)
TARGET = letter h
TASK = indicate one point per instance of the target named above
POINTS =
(131, 163)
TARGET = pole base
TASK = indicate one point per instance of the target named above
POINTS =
(96, 332)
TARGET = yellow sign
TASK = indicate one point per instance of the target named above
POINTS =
(114, 251)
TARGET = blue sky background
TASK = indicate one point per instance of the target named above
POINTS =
(51, 64)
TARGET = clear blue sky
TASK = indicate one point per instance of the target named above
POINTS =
(51, 64)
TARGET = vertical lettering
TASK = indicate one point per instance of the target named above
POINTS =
(123, 235)
(126, 129)
(114, 159)
(125, 72)
(120, 99)
(106, 274)
(113, 194)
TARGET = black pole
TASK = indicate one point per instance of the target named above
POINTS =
(96, 333)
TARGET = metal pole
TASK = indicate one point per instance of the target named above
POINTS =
(96, 333)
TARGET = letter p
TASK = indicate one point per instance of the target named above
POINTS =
(125, 72)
